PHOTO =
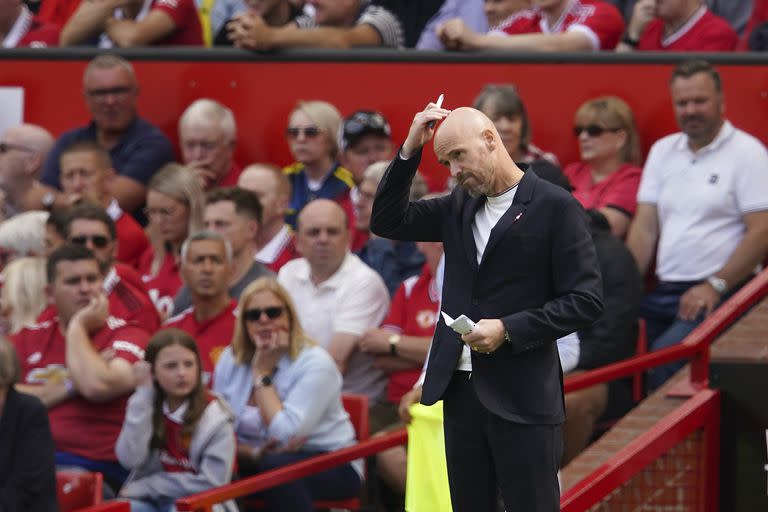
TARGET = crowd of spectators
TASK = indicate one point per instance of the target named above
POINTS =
(213, 300)
(461, 25)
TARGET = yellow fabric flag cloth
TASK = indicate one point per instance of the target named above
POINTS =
(426, 489)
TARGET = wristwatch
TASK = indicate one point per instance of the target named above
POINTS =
(393, 341)
(718, 284)
(263, 382)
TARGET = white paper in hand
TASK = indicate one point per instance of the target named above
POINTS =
(461, 325)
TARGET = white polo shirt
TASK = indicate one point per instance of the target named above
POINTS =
(351, 301)
(701, 198)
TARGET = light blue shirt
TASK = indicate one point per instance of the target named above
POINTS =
(310, 389)
(471, 11)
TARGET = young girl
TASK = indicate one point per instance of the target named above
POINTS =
(177, 438)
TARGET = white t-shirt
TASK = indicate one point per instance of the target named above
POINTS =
(351, 301)
(485, 219)
(701, 198)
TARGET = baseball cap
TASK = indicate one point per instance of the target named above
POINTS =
(361, 123)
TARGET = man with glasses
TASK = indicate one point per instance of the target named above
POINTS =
(90, 226)
(207, 136)
(702, 207)
(23, 149)
(86, 175)
(137, 148)
(235, 214)
(206, 266)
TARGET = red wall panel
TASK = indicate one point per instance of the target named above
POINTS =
(263, 93)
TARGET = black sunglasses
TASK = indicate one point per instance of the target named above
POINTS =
(254, 315)
(365, 121)
(309, 132)
(98, 241)
(593, 130)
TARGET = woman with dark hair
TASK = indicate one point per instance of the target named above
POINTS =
(177, 438)
(286, 394)
(27, 470)
(608, 175)
(504, 106)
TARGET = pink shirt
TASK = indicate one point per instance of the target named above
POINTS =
(618, 190)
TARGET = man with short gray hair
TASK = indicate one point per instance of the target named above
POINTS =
(137, 148)
(206, 264)
(23, 149)
(207, 136)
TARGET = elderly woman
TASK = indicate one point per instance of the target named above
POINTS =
(504, 106)
(22, 297)
(312, 134)
(607, 177)
(27, 472)
(286, 395)
(175, 204)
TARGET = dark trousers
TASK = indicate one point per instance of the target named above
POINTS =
(487, 454)
(340, 482)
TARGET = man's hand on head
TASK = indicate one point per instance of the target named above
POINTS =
(487, 336)
(421, 131)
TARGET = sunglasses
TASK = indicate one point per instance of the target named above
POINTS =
(593, 130)
(309, 132)
(5, 147)
(366, 121)
(254, 315)
(98, 241)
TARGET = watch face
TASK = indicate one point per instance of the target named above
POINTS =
(266, 380)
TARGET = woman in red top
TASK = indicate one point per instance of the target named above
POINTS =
(607, 177)
(175, 204)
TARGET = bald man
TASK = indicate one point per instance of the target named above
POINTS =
(519, 261)
(23, 149)
(338, 298)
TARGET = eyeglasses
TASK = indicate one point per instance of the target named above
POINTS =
(254, 315)
(100, 94)
(309, 132)
(5, 147)
(593, 130)
(159, 212)
(361, 122)
(98, 241)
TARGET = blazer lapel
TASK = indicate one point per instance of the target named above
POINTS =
(471, 206)
(514, 213)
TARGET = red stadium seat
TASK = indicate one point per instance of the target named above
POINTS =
(76, 490)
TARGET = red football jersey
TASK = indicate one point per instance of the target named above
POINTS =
(162, 287)
(704, 32)
(30, 31)
(212, 335)
(184, 14)
(278, 251)
(131, 240)
(413, 313)
(618, 190)
(598, 20)
(230, 180)
(130, 301)
(759, 16)
(80, 427)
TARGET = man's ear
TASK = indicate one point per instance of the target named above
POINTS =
(489, 139)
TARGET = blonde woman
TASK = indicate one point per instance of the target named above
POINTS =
(175, 204)
(608, 175)
(285, 391)
(312, 133)
(22, 298)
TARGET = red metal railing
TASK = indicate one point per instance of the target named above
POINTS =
(701, 411)
(110, 506)
(600, 483)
